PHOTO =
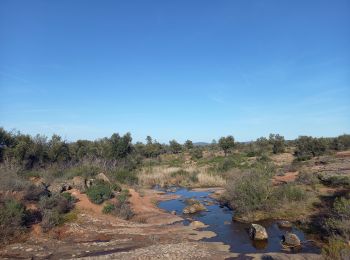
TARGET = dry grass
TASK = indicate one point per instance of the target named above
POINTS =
(188, 176)
(157, 176)
(210, 180)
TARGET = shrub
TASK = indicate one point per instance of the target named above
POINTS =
(289, 192)
(308, 147)
(116, 187)
(51, 218)
(250, 192)
(335, 180)
(126, 177)
(34, 193)
(124, 211)
(339, 223)
(307, 178)
(12, 216)
(108, 208)
(196, 153)
(57, 202)
(123, 196)
(121, 208)
(69, 197)
(336, 249)
(70, 216)
(99, 192)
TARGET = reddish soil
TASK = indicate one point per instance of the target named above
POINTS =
(287, 177)
(146, 209)
(343, 154)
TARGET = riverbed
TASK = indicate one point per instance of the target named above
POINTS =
(233, 233)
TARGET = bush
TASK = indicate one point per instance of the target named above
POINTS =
(250, 192)
(12, 216)
(335, 180)
(51, 218)
(196, 153)
(121, 208)
(34, 193)
(308, 147)
(60, 203)
(339, 223)
(126, 177)
(336, 249)
(99, 192)
(108, 208)
(307, 178)
(289, 192)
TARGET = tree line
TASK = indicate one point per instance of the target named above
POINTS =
(37, 151)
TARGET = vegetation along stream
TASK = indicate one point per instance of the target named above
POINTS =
(233, 233)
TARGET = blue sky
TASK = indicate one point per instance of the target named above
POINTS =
(175, 69)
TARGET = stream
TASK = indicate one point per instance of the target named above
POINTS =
(230, 232)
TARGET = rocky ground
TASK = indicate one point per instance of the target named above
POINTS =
(98, 236)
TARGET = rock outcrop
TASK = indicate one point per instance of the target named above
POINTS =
(291, 239)
(191, 209)
(257, 232)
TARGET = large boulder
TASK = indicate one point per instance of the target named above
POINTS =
(102, 177)
(257, 232)
(291, 239)
(58, 187)
(79, 183)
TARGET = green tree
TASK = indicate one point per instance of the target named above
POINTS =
(120, 147)
(278, 143)
(175, 147)
(262, 144)
(308, 147)
(188, 144)
(226, 143)
(58, 150)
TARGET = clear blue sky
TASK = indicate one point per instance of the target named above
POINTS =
(175, 69)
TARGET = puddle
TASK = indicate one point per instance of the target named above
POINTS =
(231, 233)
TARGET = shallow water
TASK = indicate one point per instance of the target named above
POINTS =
(231, 232)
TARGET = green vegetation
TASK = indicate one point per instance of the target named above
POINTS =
(121, 208)
(34, 165)
(226, 143)
(99, 192)
(12, 217)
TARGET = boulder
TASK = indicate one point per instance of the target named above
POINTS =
(79, 183)
(291, 239)
(173, 212)
(59, 187)
(197, 224)
(284, 224)
(101, 176)
(257, 232)
(191, 209)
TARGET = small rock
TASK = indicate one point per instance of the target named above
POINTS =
(101, 176)
(197, 224)
(291, 239)
(284, 224)
(257, 232)
(173, 212)
(29, 249)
